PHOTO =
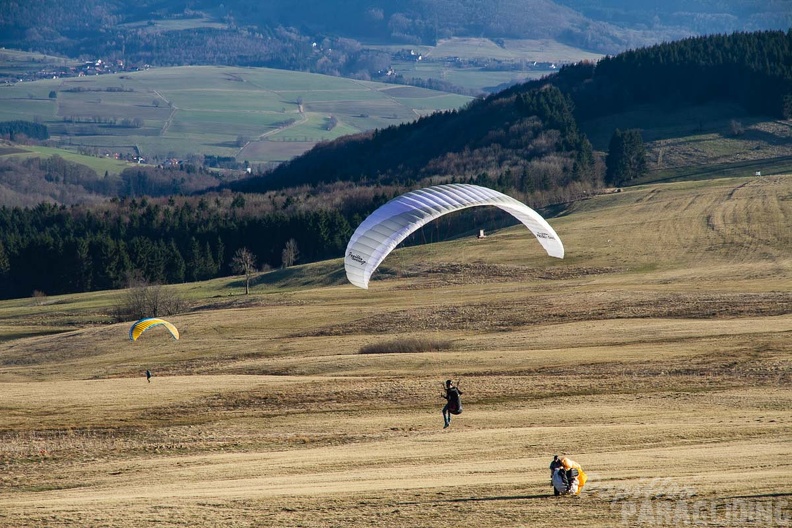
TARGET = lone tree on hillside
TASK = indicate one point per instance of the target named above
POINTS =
(626, 157)
(290, 253)
(244, 263)
(143, 299)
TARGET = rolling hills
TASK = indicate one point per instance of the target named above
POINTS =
(656, 355)
(136, 28)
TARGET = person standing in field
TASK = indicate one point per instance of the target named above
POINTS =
(453, 402)
(148, 376)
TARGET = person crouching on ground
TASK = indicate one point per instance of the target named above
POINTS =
(566, 475)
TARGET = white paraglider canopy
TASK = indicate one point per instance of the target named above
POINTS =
(386, 227)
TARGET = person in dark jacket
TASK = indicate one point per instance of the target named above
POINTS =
(557, 475)
(453, 402)
(148, 376)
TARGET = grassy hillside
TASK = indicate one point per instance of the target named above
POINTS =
(99, 164)
(15, 64)
(481, 64)
(254, 114)
(701, 141)
(656, 354)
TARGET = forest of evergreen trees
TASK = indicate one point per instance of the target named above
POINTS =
(14, 130)
(54, 249)
(751, 69)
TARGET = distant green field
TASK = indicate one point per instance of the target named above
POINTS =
(314, 130)
(202, 109)
(449, 61)
(377, 110)
(273, 149)
(26, 109)
(225, 123)
(542, 50)
(15, 63)
(545, 50)
(176, 24)
(471, 78)
(100, 165)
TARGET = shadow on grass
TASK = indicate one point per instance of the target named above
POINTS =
(22, 335)
(555, 210)
(747, 169)
(484, 499)
(761, 496)
(300, 276)
(501, 498)
(407, 345)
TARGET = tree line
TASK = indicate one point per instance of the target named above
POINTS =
(28, 181)
(750, 69)
(57, 249)
(12, 130)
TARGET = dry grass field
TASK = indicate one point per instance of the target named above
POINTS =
(656, 354)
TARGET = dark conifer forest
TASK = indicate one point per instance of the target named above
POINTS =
(751, 69)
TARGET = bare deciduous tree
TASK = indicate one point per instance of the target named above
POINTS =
(290, 253)
(39, 297)
(244, 263)
(142, 299)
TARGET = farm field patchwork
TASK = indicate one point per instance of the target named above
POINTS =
(175, 104)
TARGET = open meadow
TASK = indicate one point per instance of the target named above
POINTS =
(16, 63)
(482, 64)
(657, 354)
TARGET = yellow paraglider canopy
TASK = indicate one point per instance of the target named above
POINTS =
(144, 324)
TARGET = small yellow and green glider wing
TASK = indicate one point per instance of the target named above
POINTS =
(144, 324)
